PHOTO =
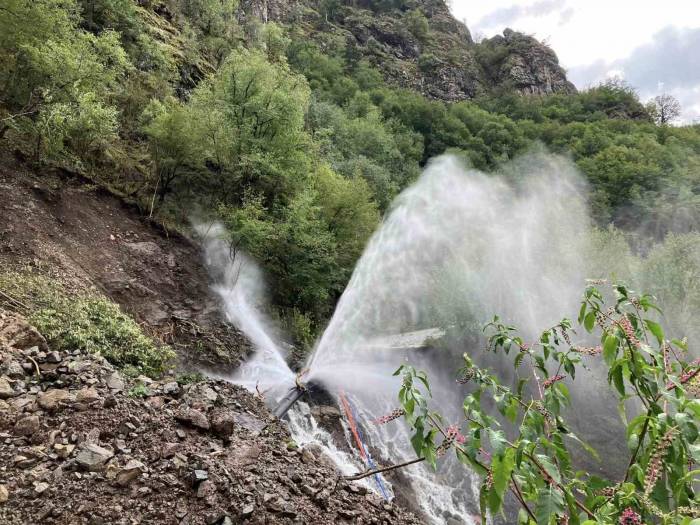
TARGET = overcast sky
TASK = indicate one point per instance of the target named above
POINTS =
(654, 45)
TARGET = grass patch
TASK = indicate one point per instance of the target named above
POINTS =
(86, 321)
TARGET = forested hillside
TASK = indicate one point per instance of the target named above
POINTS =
(296, 123)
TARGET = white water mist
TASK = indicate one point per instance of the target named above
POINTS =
(240, 284)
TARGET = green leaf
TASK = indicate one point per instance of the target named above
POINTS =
(655, 328)
(610, 349)
(502, 467)
(498, 441)
(618, 381)
(549, 504)
(589, 321)
(582, 312)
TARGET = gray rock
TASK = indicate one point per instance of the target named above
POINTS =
(15, 370)
(198, 476)
(247, 511)
(54, 399)
(6, 390)
(130, 472)
(27, 426)
(249, 422)
(40, 487)
(87, 395)
(171, 389)
(192, 417)
(53, 357)
(93, 457)
(222, 422)
(63, 451)
(115, 382)
(168, 450)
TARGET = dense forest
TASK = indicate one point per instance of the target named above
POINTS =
(297, 141)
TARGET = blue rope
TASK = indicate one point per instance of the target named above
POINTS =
(370, 461)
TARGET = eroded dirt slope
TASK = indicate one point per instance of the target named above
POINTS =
(84, 237)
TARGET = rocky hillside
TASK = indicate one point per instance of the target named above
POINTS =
(418, 44)
(82, 444)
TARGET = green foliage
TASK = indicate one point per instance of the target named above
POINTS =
(56, 78)
(536, 465)
(87, 322)
(417, 24)
(138, 391)
(298, 139)
(190, 378)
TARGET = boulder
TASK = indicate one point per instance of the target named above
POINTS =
(54, 399)
(222, 423)
(193, 418)
(93, 457)
(6, 390)
(115, 382)
(27, 426)
(130, 472)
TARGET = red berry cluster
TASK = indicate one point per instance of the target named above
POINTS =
(654, 466)
(588, 350)
(395, 414)
(630, 517)
(549, 382)
(626, 326)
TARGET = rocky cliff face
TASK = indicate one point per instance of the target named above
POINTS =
(418, 44)
(524, 64)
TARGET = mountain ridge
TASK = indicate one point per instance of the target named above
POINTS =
(418, 44)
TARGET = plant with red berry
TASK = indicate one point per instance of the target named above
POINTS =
(661, 479)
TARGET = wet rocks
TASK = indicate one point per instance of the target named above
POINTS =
(206, 453)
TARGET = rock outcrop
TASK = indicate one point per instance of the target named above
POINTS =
(418, 44)
(525, 65)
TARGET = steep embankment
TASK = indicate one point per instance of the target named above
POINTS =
(80, 443)
(84, 237)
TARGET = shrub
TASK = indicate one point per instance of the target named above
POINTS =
(533, 461)
(87, 322)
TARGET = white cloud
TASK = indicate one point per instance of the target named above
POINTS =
(595, 39)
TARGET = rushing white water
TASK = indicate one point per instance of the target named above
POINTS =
(240, 284)
(456, 247)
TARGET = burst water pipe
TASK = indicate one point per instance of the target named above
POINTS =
(294, 394)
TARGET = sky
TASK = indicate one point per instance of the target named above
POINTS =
(653, 45)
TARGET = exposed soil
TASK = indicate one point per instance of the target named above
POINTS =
(85, 237)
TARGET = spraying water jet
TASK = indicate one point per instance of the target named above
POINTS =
(456, 247)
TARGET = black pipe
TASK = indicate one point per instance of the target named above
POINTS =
(288, 401)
